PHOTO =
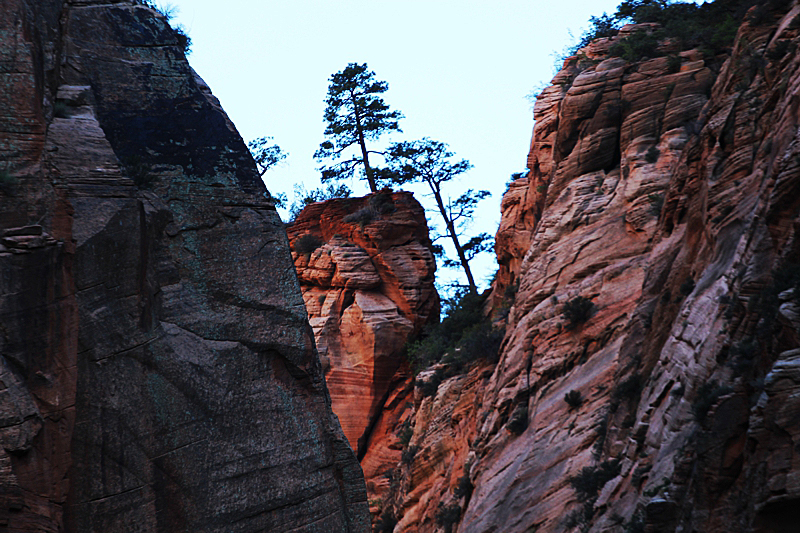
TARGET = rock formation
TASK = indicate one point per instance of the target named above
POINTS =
(648, 379)
(366, 270)
(158, 371)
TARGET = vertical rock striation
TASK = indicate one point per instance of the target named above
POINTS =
(367, 271)
(648, 377)
(158, 370)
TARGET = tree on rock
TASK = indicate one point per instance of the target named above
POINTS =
(355, 114)
(431, 162)
(265, 155)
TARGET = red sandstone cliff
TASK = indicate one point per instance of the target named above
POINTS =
(158, 372)
(366, 270)
(668, 198)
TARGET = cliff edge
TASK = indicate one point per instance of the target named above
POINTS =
(158, 369)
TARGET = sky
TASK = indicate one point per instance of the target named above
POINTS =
(459, 71)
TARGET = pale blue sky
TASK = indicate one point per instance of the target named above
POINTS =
(458, 70)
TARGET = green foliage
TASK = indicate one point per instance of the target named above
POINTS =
(386, 522)
(355, 114)
(168, 11)
(707, 396)
(407, 457)
(518, 422)
(464, 335)
(7, 182)
(303, 198)
(362, 217)
(656, 203)
(638, 46)
(60, 109)
(264, 154)
(580, 518)
(780, 49)
(630, 389)
(587, 485)
(636, 524)
(574, 399)
(405, 434)
(517, 176)
(184, 41)
(674, 63)
(687, 286)
(652, 155)
(447, 516)
(432, 163)
(382, 202)
(379, 204)
(428, 387)
(464, 486)
(307, 244)
(577, 311)
(591, 479)
(711, 26)
(743, 355)
(139, 171)
(603, 26)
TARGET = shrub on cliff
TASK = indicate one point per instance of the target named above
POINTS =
(711, 26)
(378, 204)
(386, 522)
(463, 336)
(447, 516)
(574, 399)
(707, 396)
(7, 182)
(303, 197)
(577, 311)
(307, 244)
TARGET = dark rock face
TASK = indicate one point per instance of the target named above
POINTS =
(158, 369)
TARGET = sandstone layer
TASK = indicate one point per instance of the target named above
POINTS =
(158, 370)
(366, 270)
(666, 195)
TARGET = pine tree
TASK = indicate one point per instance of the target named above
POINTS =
(429, 162)
(355, 114)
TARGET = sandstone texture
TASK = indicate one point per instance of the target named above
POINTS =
(667, 196)
(158, 371)
(366, 270)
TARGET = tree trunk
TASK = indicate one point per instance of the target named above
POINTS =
(473, 289)
(364, 154)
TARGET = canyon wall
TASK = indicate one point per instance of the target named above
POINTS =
(366, 270)
(648, 375)
(158, 369)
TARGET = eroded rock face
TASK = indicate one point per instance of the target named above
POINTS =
(368, 286)
(668, 199)
(158, 370)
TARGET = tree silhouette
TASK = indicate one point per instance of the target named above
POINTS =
(430, 162)
(265, 155)
(355, 114)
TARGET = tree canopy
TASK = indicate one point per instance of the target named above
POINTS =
(265, 155)
(431, 162)
(355, 114)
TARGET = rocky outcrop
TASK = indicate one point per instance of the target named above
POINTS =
(366, 269)
(647, 377)
(158, 371)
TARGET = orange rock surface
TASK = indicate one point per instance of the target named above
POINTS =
(368, 287)
(667, 197)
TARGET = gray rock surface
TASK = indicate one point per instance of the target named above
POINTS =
(158, 369)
